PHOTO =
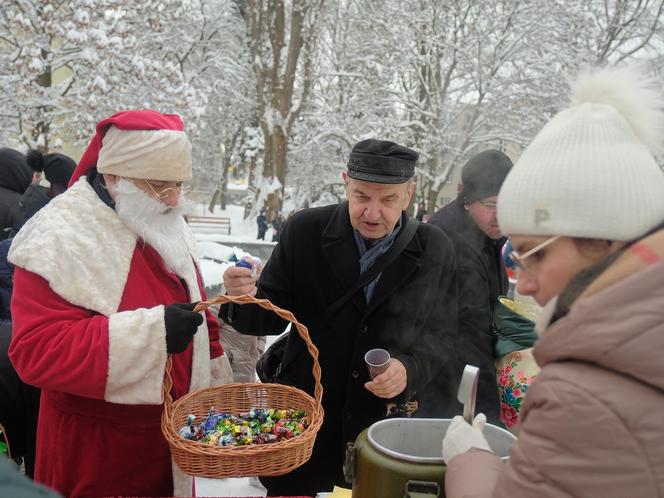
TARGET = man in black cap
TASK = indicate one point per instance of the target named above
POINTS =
(408, 309)
(470, 221)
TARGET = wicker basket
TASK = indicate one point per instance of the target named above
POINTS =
(200, 459)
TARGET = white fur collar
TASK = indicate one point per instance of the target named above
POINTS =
(93, 249)
(91, 245)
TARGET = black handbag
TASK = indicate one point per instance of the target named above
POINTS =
(268, 366)
(271, 363)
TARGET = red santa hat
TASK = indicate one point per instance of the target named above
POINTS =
(139, 144)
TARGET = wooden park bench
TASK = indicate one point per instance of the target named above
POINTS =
(221, 222)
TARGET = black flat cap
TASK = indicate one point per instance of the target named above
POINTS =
(380, 161)
(483, 175)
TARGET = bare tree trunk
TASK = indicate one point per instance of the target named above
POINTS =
(252, 180)
(277, 42)
(432, 198)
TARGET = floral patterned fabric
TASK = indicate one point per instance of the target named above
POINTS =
(515, 371)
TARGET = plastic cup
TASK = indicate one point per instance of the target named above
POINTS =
(377, 361)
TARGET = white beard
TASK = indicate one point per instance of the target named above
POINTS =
(161, 226)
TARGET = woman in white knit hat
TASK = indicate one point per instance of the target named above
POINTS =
(584, 208)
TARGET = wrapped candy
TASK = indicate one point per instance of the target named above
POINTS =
(250, 263)
(186, 432)
(257, 426)
(210, 422)
(226, 440)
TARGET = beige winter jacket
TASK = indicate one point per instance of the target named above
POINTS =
(593, 421)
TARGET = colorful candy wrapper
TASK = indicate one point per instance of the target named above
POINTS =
(257, 426)
(247, 262)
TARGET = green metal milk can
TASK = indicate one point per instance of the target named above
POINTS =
(402, 458)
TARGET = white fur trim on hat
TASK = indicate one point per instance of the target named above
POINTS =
(163, 155)
(590, 171)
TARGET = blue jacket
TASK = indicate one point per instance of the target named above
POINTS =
(6, 281)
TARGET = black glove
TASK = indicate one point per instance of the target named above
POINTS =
(181, 325)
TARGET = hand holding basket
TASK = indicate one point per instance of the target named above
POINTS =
(205, 460)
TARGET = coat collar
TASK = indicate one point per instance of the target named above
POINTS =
(86, 239)
(74, 230)
(398, 272)
(341, 254)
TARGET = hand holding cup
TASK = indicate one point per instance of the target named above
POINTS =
(388, 375)
(377, 361)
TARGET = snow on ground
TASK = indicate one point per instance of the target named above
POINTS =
(215, 249)
(241, 230)
(214, 259)
(241, 486)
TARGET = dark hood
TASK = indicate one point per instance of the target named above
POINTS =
(15, 174)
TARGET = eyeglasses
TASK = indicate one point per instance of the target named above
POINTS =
(520, 258)
(488, 205)
(161, 192)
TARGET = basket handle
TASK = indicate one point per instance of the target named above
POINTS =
(263, 303)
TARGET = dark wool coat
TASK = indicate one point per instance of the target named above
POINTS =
(482, 278)
(8, 202)
(19, 409)
(15, 176)
(412, 314)
(6, 281)
(34, 198)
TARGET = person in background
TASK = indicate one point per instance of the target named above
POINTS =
(6, 282)
(105, 284)
(243, 352)
(470, 222)
(20, 408)
(13, 484)
(421, 211)
(277, 225)
(409, 309)
(584, 208)
(261, 221)
(15, 177)
(57, 168)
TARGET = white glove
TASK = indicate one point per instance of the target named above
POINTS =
(461, 437)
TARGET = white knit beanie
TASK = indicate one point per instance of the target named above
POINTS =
(590, 172)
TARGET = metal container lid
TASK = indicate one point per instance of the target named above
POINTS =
(419, 440)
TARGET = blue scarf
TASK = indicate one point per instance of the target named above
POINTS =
(369, 255)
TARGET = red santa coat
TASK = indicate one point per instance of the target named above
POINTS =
(88, 309)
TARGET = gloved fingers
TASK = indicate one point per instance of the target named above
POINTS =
(456, 423)
(198, 320)
(187, 310)
(479, 421)
(186, 306)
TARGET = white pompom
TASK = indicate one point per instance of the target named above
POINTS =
(636, 97)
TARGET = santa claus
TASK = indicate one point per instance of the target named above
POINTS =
(105, 281)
